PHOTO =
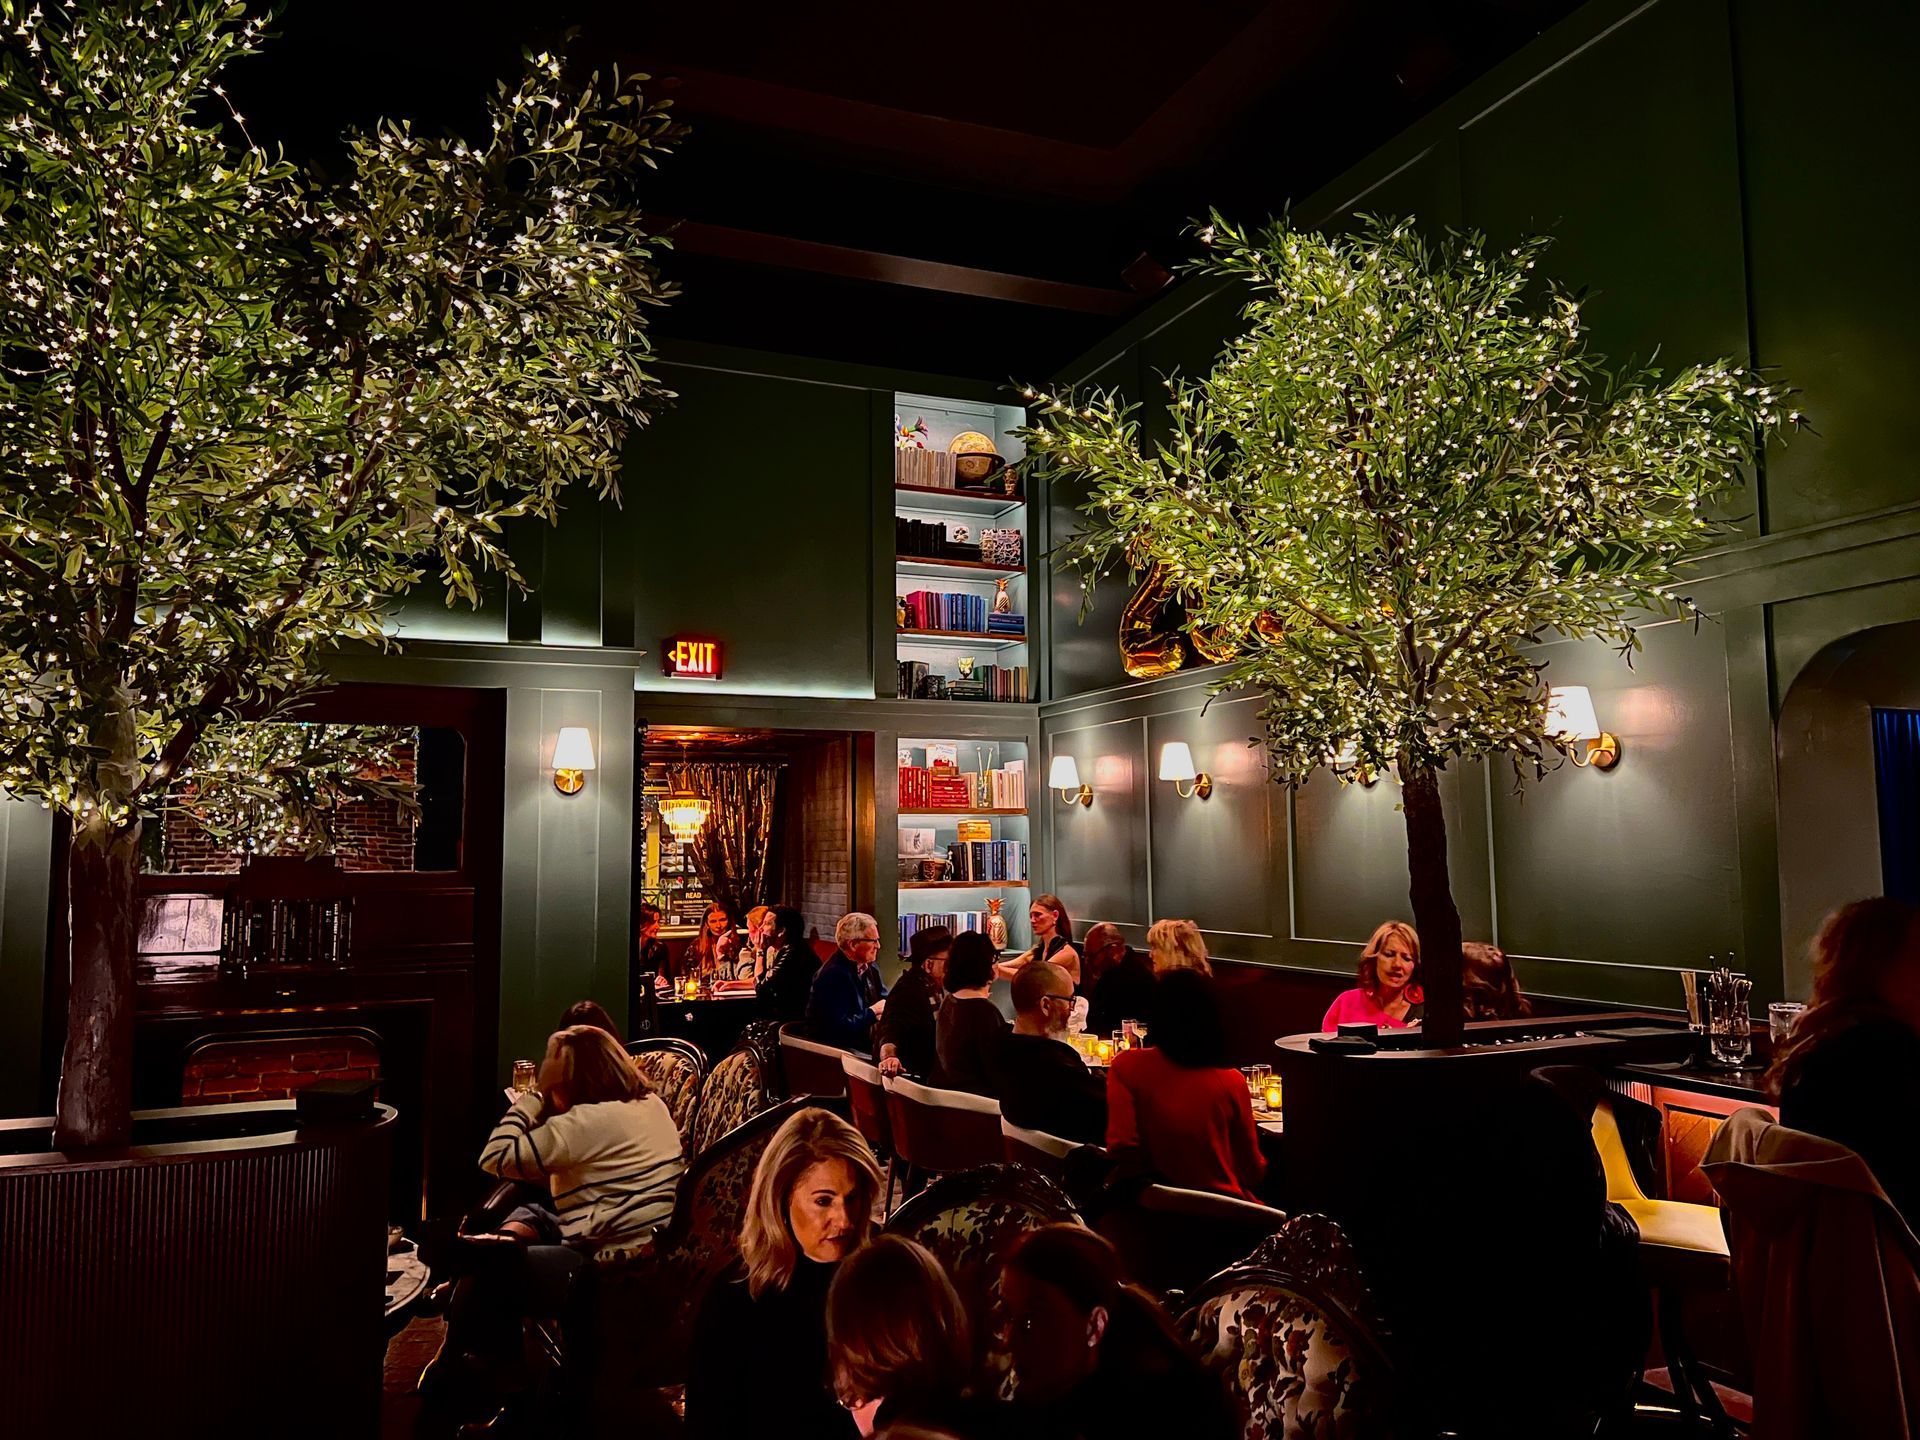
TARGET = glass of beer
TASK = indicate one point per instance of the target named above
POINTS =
(525, 1073)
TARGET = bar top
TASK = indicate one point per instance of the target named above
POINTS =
(1747, 1083)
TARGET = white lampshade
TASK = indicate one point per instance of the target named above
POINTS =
(1570, 713)
(574, 749)
(1063, 774)
(1176, 761)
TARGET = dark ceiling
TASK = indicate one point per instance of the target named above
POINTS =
(958, 189)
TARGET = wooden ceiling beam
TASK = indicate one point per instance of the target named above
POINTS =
(755, 248)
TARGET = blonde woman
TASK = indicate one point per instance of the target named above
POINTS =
(1176, 945)
(811, 1205)
(1389, 991)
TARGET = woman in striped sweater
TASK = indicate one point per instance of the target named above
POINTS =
(608, 1152)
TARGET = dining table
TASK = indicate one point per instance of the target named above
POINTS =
(712, 1019)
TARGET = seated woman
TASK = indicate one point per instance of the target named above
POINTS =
(905, 1032)
(606, 1148)
(1052, 941)
(1176, 945)
(758, 1363)
(1389, 991)
(710, 954)
(1850, 1071)
(1177, 1108)
(588, 1012)
(1488, 990)
(970, 1024)
(751, 961)
(789, 967)
(1095, 1355)
(898, 1339)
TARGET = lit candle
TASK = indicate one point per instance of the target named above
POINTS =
(692, 988)
(1103, 1049)
(1273, 1095)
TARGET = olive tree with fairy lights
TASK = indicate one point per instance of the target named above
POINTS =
(242, 408)
(1407, 469)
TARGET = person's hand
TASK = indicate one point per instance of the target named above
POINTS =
(878, 1005)
(892, 1066)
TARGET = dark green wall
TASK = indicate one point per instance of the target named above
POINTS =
(1722, 180)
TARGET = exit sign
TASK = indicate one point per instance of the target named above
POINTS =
(687, 658)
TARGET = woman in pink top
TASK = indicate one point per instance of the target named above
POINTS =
(1389, 990)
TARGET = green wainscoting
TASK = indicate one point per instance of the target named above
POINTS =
(1719, 182)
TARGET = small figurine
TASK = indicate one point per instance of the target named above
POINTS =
(899, 612)
(1002, 602)
(966, 663)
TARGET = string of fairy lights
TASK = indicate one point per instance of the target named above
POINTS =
(1408, 468)
(241, 410)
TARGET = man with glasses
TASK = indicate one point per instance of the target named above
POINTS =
(839, 1011)
(1042, 1082)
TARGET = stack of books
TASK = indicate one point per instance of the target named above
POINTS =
(991, 682)
(988, 861)
(930, 469)
(1006, 623)
(928, 540)
(953, 610)
(922, 788)
(958, 921)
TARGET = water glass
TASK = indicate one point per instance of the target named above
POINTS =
(1782, 1016)
(525, 1074)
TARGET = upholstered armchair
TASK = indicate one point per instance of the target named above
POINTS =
(736, 1090)
(646, 1296)
(1291, 1329)
(675, 1069)
(970, 1221)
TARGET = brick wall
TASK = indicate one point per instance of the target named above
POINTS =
(274, 1067)
(819, 838)
(374, 836)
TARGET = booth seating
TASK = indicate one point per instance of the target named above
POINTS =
(867, 1099)
(938, 1132)
(1292, 1331)
(970, 1222)
(1173, 1239)
(675, 1069)
(1827, 1275)
(809, 1068)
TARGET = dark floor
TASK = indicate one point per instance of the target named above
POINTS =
(407, 1354)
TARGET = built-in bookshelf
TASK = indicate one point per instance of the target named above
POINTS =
(961, 552)
(963, 831)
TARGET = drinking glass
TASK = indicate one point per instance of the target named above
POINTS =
(1782, 1016)
(525, 1073)
(1131, 1029)
(1729, 1030)
(1257, 1077)
(1691, 984)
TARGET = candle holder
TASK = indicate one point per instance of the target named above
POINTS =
(1274, 1097)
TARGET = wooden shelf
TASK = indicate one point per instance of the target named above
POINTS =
(938, 811)
(969, 639)
(957, 502)
(964, 885)
(922, 565)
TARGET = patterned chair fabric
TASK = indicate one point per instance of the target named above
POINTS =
(674, 1068)
(971, 1221)
(647, 1295)
(763, 1038)
(735, 1092)
(1291, 1329)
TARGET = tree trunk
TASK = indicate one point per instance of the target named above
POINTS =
(1434, 915)
(96, 1068)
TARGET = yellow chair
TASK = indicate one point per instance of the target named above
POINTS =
(1683, 1248)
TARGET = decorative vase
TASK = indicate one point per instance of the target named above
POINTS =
(1002, 602)
(996, 924)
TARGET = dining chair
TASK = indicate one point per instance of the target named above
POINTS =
(675, 1069)
(940, 1131)
(1292, 1331)
(867, 1100)
(737, 1089)
(1045, 1153)
(810, 1068)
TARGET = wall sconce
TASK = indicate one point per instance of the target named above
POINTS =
(1176, 764)
(572, 758)
(1064, 776)
(1347, 769)
(1570, 716)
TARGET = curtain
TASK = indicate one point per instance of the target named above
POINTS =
(731, 850)
(1896, 766)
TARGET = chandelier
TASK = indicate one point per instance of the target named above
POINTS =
(683, 810)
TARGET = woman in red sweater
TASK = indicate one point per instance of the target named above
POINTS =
(1178, 1108)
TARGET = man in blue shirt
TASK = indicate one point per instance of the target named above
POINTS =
(838, 1011)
